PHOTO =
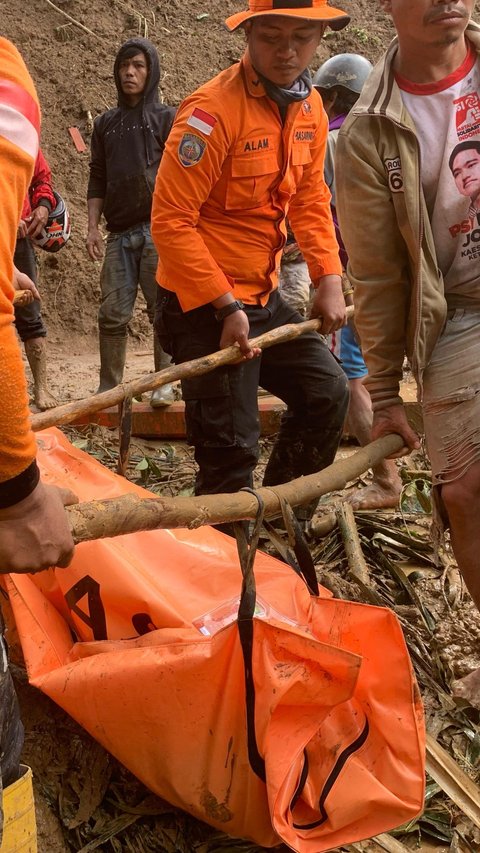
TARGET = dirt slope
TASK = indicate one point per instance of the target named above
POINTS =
(73, 72)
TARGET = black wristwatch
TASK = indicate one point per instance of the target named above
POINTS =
(236, 305)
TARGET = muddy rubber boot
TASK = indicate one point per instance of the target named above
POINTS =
(113, 352)
(36, 352)
(163, 396)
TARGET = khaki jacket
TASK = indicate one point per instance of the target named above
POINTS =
(400, 306)
(223, 192)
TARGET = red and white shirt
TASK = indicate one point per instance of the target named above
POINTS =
(446, 115)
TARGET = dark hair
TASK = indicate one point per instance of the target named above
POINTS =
(470, 144)
(132, 50)
(345, 100)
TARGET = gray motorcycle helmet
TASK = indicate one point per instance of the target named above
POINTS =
(349, 70)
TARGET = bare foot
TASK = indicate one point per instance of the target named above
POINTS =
(468, 688)
(44, 400)
(380, 494)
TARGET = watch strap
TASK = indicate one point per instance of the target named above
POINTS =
(226, 310)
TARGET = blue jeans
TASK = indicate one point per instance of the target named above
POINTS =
(130, 260)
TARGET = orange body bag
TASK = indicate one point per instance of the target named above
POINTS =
(297, 721)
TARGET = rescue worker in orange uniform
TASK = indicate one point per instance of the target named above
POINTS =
(34, 531)
(246, 149)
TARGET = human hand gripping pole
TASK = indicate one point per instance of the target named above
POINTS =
(197, 367)
(25, 289)
(35, 532)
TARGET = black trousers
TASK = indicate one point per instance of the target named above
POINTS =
(28, 318)
(221, 407)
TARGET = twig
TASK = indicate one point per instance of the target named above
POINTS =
(73, 21)
(324, 525)
(459, 787)
(56, 292)
(380, 842)
(351, 540)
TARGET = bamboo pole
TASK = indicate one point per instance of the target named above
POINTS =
(70, 411)
(130, 514)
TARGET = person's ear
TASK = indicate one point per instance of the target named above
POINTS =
(247, 28)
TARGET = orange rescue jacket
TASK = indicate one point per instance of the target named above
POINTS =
(230, 174)
(19, 132)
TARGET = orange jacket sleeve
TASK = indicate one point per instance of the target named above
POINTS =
(19, 131)
(180, 192)
(310, 214)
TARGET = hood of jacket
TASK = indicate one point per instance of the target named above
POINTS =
(150, 93)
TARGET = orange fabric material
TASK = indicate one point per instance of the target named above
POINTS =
(333, 681)
(219, 224)
(19, 121)
(316, 10)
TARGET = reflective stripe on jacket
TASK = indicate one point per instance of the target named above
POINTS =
(222, 193)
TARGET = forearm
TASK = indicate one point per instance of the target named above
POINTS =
(94, 208)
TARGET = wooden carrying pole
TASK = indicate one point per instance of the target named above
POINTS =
(131, 514)
(20, 296)
(70, 411)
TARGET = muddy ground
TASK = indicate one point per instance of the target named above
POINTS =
(72, 69)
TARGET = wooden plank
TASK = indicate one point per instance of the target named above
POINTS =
(169, 422)
(78, 140)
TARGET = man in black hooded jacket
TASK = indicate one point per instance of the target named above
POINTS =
(127, 146)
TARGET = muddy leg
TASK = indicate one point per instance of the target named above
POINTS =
(36, 352)
(385, 489)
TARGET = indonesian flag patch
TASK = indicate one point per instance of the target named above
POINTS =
(202, 121)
